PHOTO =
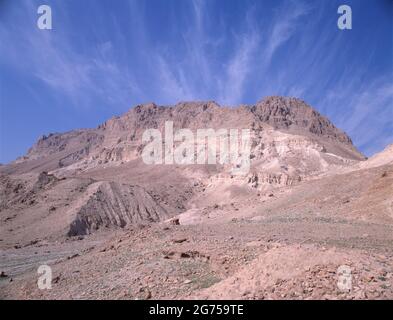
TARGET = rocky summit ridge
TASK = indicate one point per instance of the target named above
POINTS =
(119, 139)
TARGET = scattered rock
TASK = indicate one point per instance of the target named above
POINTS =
(174, 221)
(185, 255)
(179, 240)
(56, 279)
(169, 254)
(145, 293)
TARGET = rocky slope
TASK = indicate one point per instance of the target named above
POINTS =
(86, 204)
(119, 139)
(382, 158)
(290, 142)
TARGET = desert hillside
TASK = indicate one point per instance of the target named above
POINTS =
(86, 203)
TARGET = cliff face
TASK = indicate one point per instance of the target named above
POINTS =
(120, 138)
(292, 113)
(100, 180)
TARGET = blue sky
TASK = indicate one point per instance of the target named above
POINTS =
(103, 57)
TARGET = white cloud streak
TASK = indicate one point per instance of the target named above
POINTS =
(52, 59)
(233, 63)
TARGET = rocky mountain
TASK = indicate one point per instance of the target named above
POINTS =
(112, 186)
(276, 123)
(86, 203)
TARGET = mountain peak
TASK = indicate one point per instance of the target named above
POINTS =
(294, 114)
(119, 138)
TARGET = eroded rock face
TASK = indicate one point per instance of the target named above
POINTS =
(290, 143)
(119, 139)
(112, 204)
(74, 144)
(44, 179)
(295, 114)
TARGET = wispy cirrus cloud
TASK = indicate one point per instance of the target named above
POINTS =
(368, 113)
(190, 73)
(285, 21)
(51, 57)
(238, 68)
(134, 51)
